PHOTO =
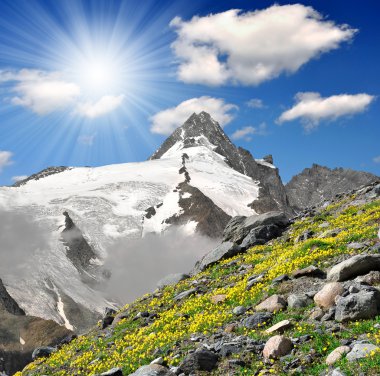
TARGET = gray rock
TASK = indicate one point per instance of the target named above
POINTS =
(281, 278)
(185, 294)
(260, 235)
(43, 351)
(362, 305)
(309, 271)
(353, 267)
(299, 301)
(360, 350)
(239, 310)
(240, 227)
(223, 251)
(200, 360)
(253, 280)
(372, 278)
(231, 348)
(171, 279)
(153, 370)
(356, 245)
(336, 372)
(257, 319)
(113, 372)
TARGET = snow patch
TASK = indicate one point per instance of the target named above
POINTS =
(61, 310)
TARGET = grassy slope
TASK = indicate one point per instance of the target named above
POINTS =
(130, 345)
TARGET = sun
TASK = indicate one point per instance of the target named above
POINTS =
(98, 75)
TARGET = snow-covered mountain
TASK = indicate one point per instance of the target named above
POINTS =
(197, 181)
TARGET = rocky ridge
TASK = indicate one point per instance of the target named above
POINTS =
(305, 303)
(317, 184)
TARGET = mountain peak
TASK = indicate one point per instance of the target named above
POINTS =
(198, 130)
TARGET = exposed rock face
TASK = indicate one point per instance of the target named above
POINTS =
(20, 335)
(77, 248)
(42, 174)
(211, 220)
(201, 129)
(318, 183)
(8, 303)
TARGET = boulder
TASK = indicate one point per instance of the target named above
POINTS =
(240, 227)
(277, 346)
(200, 360)
(274, 303)
(153, 370)
(257, 319)
(361, 350)
(310, 271)
(171, 279)
(223, 251)
(337, 354)
(260, 235)
(364, 304)
(353, 267)
(299, 301)
(325, 298)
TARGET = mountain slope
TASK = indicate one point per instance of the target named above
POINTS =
(196, 181)
(318, 183)
(212, 321)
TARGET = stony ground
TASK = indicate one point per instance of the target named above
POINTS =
(301, 304)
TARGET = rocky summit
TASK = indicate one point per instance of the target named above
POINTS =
(303, 301)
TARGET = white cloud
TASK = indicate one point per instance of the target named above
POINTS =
(377, 159)
(42, 92)
(252, 47)
(166, 121)
(87, 139)
(104, 105)
(19, 178)
(5, 159)
(311, 108)
(255, 103)
(246, 133)
(45, 92)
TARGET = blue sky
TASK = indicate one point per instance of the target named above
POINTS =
(88, 83)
